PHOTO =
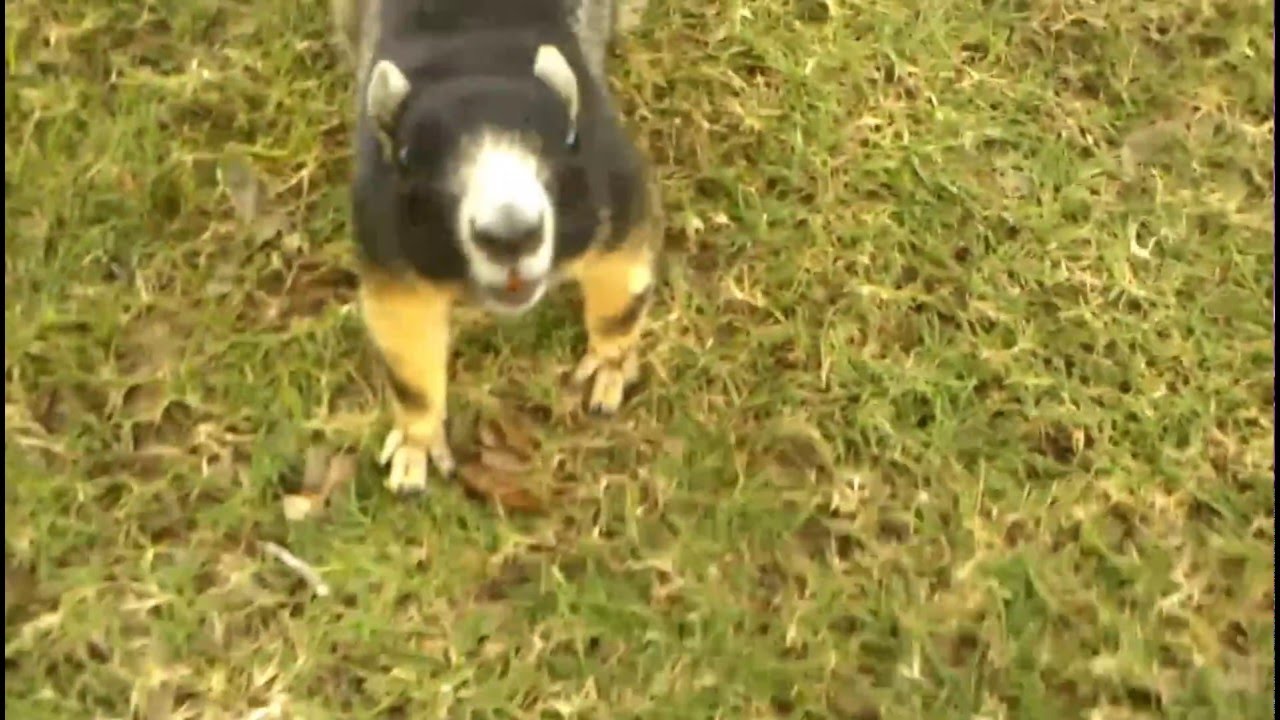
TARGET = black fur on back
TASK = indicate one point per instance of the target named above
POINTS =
(470, 63)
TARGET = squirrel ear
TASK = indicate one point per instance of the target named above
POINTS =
(388, 87)
(551, 68)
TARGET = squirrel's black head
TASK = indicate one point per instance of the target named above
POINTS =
(485, 150)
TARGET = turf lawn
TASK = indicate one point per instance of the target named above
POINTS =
(958, 398)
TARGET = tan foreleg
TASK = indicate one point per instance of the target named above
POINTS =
(408, 321)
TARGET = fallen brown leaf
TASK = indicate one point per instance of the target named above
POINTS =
(240, 182)
(501, 488)
(322, 473)
(490, 434)
(144, 401)
(298, 507)
(157, 701)
(315, 468)
(303, 288)
(342, 469)
(1148, 143)
(797, 442)
(19, 585)
(504, 464)
(502, 460)
(250, 199)
(519, 436)
(146, 348)
(510, 432)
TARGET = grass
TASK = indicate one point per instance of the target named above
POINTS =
(959, 398)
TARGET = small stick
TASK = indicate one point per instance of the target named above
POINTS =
(307, 572)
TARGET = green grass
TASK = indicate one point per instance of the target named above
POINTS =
(959, 397)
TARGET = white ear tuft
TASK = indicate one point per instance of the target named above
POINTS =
(551, 68)
(388, 87)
